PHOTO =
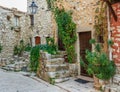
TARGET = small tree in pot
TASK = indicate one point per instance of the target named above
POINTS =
(98, 64)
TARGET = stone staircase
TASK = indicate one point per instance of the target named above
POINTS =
(15, 63)
(53, 68)
(115, 85)
(3, 62)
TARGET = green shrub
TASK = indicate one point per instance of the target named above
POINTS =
(98, 64)
(0, 47)
(66, 32)
(66, 29)
(18, 49)
(50, 47)
(34, 58)
(28, 48)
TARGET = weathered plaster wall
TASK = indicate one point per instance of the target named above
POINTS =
(115, 34)
(9, 37)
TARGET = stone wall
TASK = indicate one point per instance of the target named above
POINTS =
(115, 34)
(10, 35)
(83, 12)
(83, 16)
(43, 25)
(53, 68)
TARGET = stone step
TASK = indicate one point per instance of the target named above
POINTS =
(54, 61)
(57, 56)
(59, 80)
(59, 74)
(111, 88)
(17, 66)
(47, 56)
(57, 67)
(4, 61)
(118, 69)
(116, 79)
(8, 68)
(62, 52)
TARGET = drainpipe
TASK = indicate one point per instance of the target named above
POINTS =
(109, 33)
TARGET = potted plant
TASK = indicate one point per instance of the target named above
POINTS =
(98, 64)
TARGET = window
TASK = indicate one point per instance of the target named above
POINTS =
(17, 27)
(17, 21)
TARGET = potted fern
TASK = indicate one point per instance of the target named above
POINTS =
(98, 64)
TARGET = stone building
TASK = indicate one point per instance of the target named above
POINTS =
(14, 26)
(43, 24)
(83, 15)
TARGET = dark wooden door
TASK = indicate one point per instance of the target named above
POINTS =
(37, 40)
(60, 45)
(84, 38)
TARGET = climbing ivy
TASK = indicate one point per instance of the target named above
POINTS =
(50, 4)
(66, 31)
(101, 30)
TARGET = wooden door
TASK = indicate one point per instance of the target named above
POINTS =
(84, 38)
(37, 40)
(60, 45)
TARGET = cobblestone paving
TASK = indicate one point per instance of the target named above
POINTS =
(73, 86)
(15, 82)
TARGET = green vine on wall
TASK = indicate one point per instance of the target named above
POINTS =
(50, 4)
(101, 31)
(67, 32)
(66, 29)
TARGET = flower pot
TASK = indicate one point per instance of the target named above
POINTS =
(96, 83)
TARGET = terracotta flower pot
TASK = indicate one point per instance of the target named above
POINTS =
(96, 83)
